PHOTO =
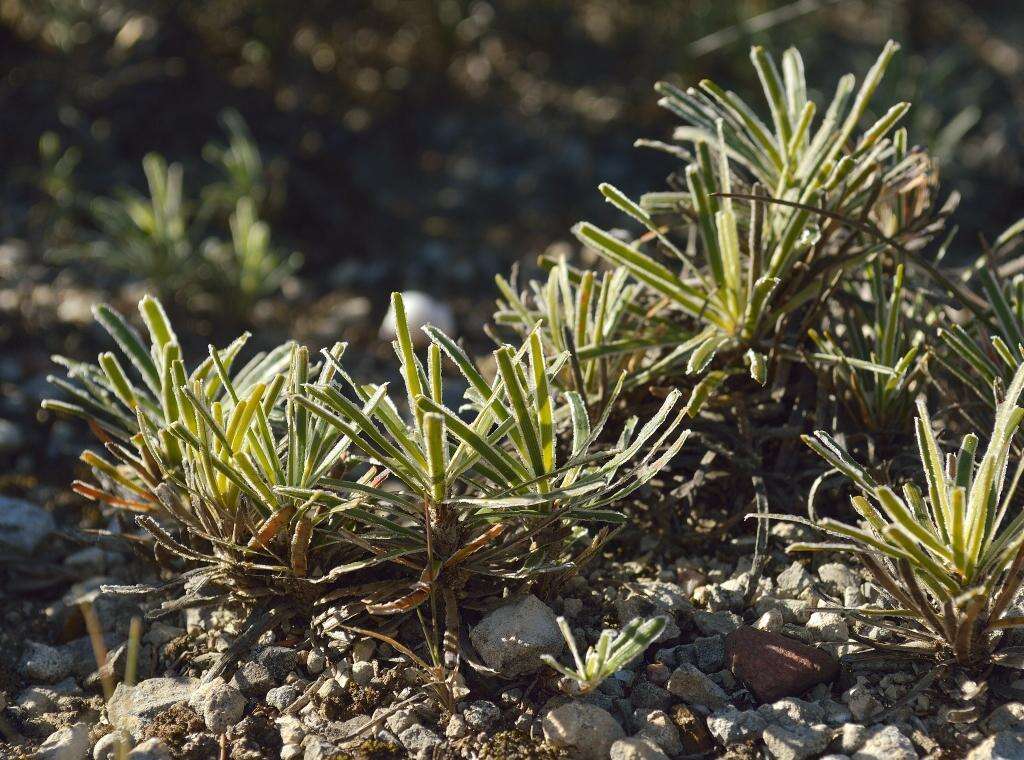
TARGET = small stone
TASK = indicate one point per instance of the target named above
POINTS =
(695, 688)
(220, 704)
(657, 727)
(315, 663)
(420, 310)
(362, 672)
(828, 626)
(771, 621)
(852, 737)
(795, 741)
(281, 697)
(23, 525)
(582, 728)
(635, 748)
(402, 719)
(43, 663)
(34, 701)
(1005, 745)
(646, 599)
(71, 743)
(253, 679)
(693, 732)
(774, 666)
(457, 727)
(279, 661)
(839, 575)
(862, 703)
(658, 672)
(363, 649)
(109, 745)
(419, 740)
(732, 726)
(716, 623)
(511, 638)
(647, 694)
(151, 749)
(132, 708)
(1007, 717)
(481, 714)
(709, 653)
(794, 580)
(88, 561)
(886, 743)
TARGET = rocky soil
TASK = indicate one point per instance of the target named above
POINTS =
(747, 667)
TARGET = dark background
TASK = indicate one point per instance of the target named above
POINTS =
(430, 143)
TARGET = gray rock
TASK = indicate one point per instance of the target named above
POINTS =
(839, 575)
(362, 672)
(1005, 745)
(34, 701)
(635, 748)
(11, 437)
(132, 708)
(280, 697)
(732, 726)
(23, 525)
(795, 741)
(886, 743)
(220, 704)
(709, 653)
(794, 580)
(419, 740)
(828, 626)
(43, 663)
(582, 728)
(695, 688)
(151, 749)
(108, 745)
(253, 679)
(315, 663)
(85, 562)
(400, 720)
(796, 611)
(657, 727)
(716, 623)
(279, 661)
(70, 743)
(1007, 717)
(481, 714)
(647, 694)
(861, 702)
(646, 599)
(852, 737)
(511, 638)
(771, 620)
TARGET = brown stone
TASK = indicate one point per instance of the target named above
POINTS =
(693, 731)
(774, 666)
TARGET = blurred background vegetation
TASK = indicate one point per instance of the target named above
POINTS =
(286, 165)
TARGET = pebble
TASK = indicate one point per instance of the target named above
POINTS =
(315, 663)
(582, 728)
(839, 575)
(132, 708)
(43, 663)
(481, 714)
(419, 740)
(279, 661)
(151, 749)
(511, 638)
(420, 310)
(281, 697)
(709, 653)
(771, 621)
(635, 748)
(646, 599)
(23, 525)
(862, 703)
(1005, 745)
(34, 701)
(828, 626)
(657, 727)
(695, 688)
(716, 623)
(362, 672)
(732, 726)
(1007, 717)
(774, 666)
(795, 741)
(647, 694)
(253, 679)
(108, 745)
(220, 704)
(71, 743)
(794, 580)
(886, 743)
